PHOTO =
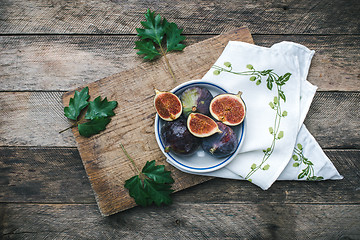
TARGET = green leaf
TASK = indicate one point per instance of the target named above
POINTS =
(286, 77)
(295, 157)
(147, 48)
(281, 134)
(253, 166)
(93, 127)
(271, 104)
(154, 28)
(157, 173)
(99, 109)
(282, 95)
(227, 64)
(299, 146)
(296, 164)
(253, 78)
(173, 37)
(284, 114)
(159, 193)
(302, 174)
(269, 81)
(271, 130)
(153, 187)
(249, 66)
(77, 103)
(258, 82)
(216, 72)
(266, 167)
(137, 191)
(278, 81)
(276, 100)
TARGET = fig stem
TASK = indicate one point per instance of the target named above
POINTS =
(212, 150)
(128, 157)
(167, 62)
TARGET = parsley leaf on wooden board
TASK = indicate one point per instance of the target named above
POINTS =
(151, 185)
(76, 104)
(173, 38)
(147, 48)
(154, 27)
(98, 108)
(152, 35)
(98, 112)
(93, 127)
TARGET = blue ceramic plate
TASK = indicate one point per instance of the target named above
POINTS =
(200, 161)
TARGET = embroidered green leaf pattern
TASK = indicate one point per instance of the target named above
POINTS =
(300, 159)
(273, 81)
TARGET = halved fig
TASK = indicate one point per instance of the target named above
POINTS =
(201, 125)
(221, 144)
(178, 139)
(228, 108)
(196, 99)
(167, 105)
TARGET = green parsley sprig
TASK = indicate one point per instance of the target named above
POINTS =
(150, 185)
(158, 37)
(98, 113)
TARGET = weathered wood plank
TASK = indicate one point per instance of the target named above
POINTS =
(56, 175)
(182, 221)
(35, 118)
(43, 174)
(196, 17)
(49, 62)
(133, 123)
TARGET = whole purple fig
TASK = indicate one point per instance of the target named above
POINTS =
(196, 99)
(221, 144)
(178, 138)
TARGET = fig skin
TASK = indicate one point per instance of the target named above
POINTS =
(222, 144)
(177, 138)
(196, 99)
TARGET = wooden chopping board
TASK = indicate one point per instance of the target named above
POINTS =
(133, 125)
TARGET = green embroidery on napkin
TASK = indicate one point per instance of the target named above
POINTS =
(271, 79)
(299, 159)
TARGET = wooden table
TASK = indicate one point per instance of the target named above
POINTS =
(50, 47)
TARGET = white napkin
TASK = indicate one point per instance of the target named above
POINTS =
(294, 154)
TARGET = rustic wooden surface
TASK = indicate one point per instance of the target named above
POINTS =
(133, 123)
(50, 47)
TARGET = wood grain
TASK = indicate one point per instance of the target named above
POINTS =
(64, 62)
(48, 47)
(182, 221)
(43, 114)
(196, 17)
(56, 175)
(133, 124)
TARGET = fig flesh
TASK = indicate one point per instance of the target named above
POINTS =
(201, 125)
(196, 99)
(222, 144)
(177, 138)
(167, 105)
(228, 108)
